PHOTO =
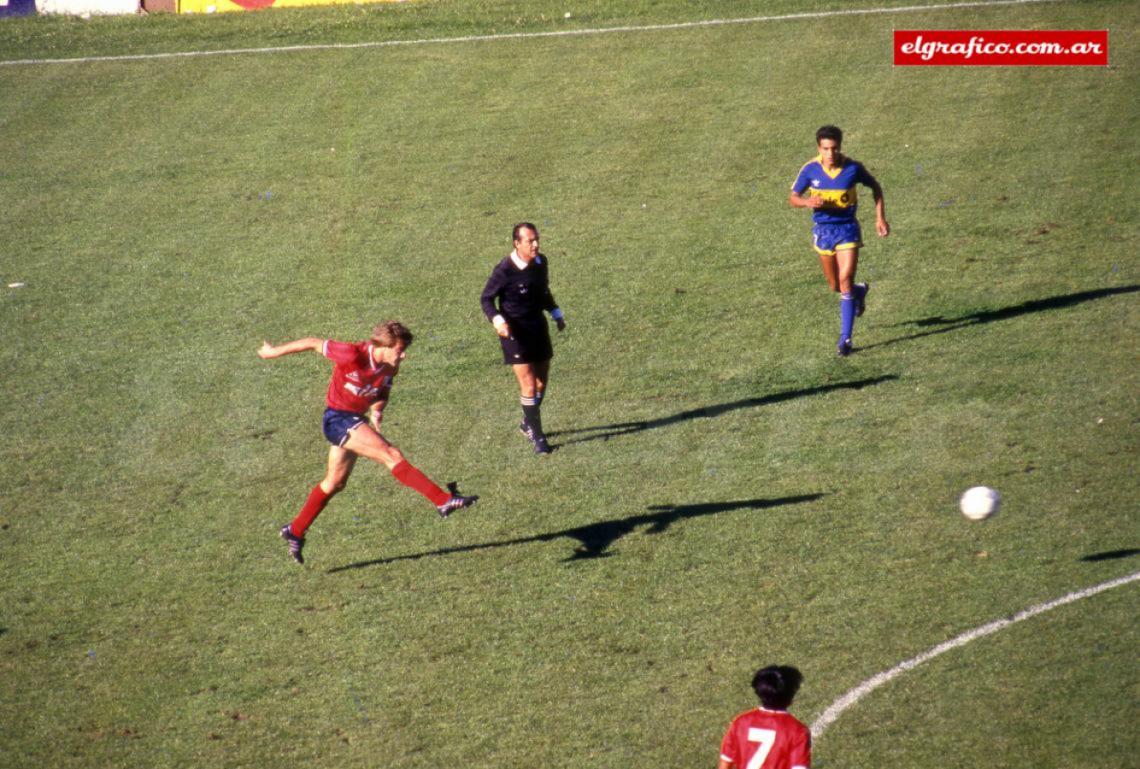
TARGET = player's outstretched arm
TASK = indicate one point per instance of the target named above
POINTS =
(269, 351)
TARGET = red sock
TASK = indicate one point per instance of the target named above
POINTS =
(411, 477)
(313, 507)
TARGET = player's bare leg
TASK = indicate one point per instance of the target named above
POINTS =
(528, 382)
(830, 270)
(541, 377)
(340, 464)
(370, 444)
(847, 262)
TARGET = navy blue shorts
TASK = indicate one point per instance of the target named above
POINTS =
(829, 238)
(338, 424)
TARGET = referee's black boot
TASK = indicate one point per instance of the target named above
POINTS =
(533, 430)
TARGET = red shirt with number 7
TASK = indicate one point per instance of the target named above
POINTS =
(767, 739)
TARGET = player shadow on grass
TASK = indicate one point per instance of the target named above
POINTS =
(595, 539)
(605, 432)
(1002, 313)
(1111, 555)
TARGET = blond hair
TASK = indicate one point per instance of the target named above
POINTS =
(388, 333)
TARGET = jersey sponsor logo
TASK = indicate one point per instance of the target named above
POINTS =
(361, 391)
(836, 198)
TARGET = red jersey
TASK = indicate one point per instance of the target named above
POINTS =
(767, 739)
(358, 380)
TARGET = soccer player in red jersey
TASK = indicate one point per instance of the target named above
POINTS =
(358, 392)
(769, 737)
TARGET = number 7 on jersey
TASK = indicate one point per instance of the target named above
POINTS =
(765, 738)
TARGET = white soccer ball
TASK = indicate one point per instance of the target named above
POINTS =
(979, 503)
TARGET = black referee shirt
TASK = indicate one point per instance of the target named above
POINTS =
(520, 293)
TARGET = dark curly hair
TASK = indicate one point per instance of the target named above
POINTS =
(777, 685)
(829, 132)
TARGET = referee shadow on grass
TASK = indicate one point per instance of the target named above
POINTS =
(1002, 313)
(605, 432)
(594, 539)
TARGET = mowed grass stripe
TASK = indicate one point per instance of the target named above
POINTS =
(531, 35)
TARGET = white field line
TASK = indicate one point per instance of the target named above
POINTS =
(529, 35)
(862, 690)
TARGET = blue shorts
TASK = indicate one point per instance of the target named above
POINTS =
(829, 238)
(338, 424)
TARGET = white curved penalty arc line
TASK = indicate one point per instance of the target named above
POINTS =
(530, 35)
(836, 709)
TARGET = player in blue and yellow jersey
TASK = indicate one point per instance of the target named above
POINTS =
(827, 185)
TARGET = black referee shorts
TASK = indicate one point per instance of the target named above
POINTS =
(529, 341)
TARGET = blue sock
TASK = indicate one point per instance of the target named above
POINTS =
(846, 315)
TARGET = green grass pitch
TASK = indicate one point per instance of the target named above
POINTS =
(726, 492)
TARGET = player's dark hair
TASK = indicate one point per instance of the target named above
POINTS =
(829, 132)
(520, 227)
(777, 685)
(389, 332)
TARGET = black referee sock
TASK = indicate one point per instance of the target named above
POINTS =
(532, 416)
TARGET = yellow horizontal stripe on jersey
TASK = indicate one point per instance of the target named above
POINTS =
(836, 198)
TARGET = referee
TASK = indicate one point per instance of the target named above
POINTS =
(513, 300)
